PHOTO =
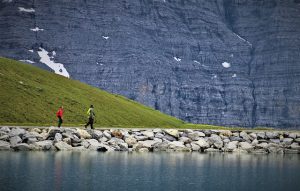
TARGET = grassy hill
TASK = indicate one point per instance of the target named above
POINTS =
(31, 96)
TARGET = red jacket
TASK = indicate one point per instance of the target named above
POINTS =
(60, 113)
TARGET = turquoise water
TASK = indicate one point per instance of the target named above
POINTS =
(30, 171)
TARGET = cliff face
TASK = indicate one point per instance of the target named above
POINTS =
(230, 62)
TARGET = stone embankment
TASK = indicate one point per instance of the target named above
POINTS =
(71, 139)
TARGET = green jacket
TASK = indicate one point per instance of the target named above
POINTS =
(91, 113)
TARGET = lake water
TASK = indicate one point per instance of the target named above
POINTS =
(29, 171)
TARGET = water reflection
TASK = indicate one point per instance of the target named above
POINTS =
(147, 171)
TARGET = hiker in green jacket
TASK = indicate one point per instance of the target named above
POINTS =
(91, 116)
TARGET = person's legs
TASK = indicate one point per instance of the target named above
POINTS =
(92, 122)
(87, 123)
(60, 121)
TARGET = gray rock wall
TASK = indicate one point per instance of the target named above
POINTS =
(170, 54)
(169, 140)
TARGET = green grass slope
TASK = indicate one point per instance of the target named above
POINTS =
(31, 96)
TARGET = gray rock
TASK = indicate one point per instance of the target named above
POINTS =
(234, 138)
(149, 134)
(21, 147)
(161, 147)
(37, 130)
(4, 145)
(272, 134)
(178, 146)
(5, 129)
(277, 150)
(4, 138)
(195, 136)
(246, 146)
(58, 137)
(295, 146)
(32, 140)
(226, 133)
(254, 142)
(245, 136)
(202, 143)
(185, 139)
(53, 130)
(141, 138)
(287, 141)
(159, 135)
(96, 134)
(195, 147)
(297, 140)
(67, 140)
(277, 141)
(226, 140)
(32, 134)
(62, 146)
(253, 136)
(261, 135)
(172, 132)
(130, 141)
(294, 135)
(83, 134)
(215, 140)
(16, 132)
(107, 134)
(229, 147)
(15, 140)
(169, 138)
(103, 139)
(262, 145)
(44, 145)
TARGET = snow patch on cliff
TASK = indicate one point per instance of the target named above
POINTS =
(57, 67)
(226, 64)
(22, 9)
(105, 37)
(36, 29)
(234, 75)
(177, 59)
(30, 50)
(28, 61)
(243, 39)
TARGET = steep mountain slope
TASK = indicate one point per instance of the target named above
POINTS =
(30, 95)
(225, 62)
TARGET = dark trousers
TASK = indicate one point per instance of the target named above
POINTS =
(90, 122)
(60, 121)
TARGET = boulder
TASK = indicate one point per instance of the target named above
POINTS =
(202, 143)
(83, 133)
(245, 136)
(185, 139)
(15, 140)
(253, 136)
(44, 145)
(215, 140)
(287, 141)
(226, 140)
(96, 134)
(4, 145)
(226, 133)
(195, 147)
(107, 134)
(67, 140)
(16, 132)
(261, 135)
(93, 144)
(31, 140)
(32, 134)
(297, 140)
(159, 135)
(277, 141)
(172, 132)
(149, 134)
(229, 147)
(254, 142)
(21, 147)
(37, 130)
(235, 138)
(178, 146)
(293, 135)
(4, 138)
(53, 130)
(262, 145)
(246, 146)
(295, 146)
(149, 143)
(195, 136)
(117, 134)
(103, 139)
(62, 146)
(5, 129)
(272, 135)
(169, 138)
(58, 137)
(161, 146)
(141, 138)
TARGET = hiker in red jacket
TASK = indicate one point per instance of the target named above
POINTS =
(59, 115)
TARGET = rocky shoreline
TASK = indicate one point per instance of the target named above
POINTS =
(169, 140)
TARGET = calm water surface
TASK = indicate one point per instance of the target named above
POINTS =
(30, 171)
